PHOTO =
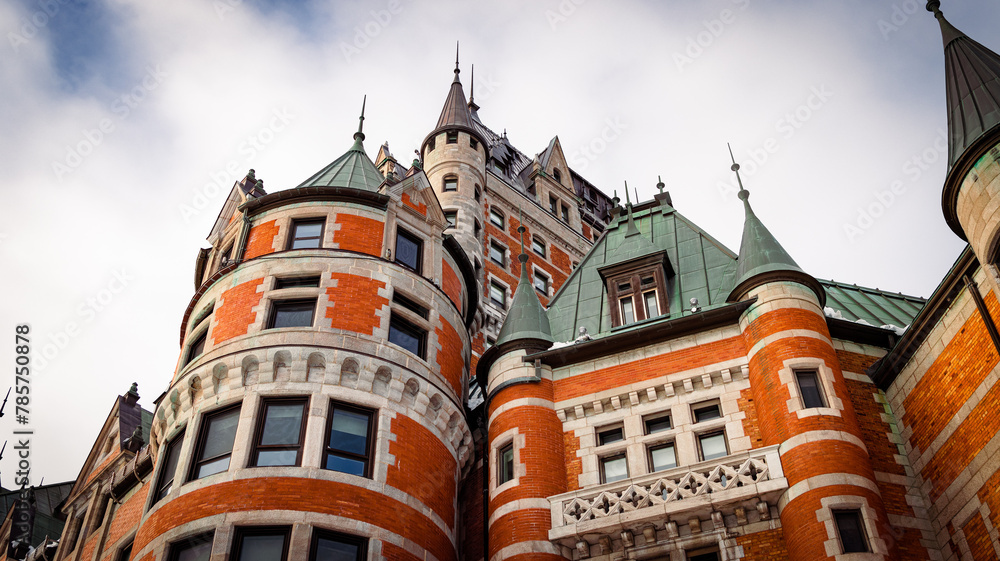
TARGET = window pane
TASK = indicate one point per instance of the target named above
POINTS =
(262, 548)
(450, 184)
(713, 446)
(282, 424)
(496, 218)
(497, 253)
(169, 468)
(293, 314)
(306, 235)
(213, 467)
(628, 315)
(707, 413)
(451, 218)
(276, 458)
(541, 282)
(609, 436)
(506, 464)
(538, 246)
(663, 457)
(657, 425)
(349, 431)
(345, 465)
(852, 534)
(651, 308)
(405, 337)
(334, 550)
(220, 434)
(615, 469)
(193, 549)
(408, 251)
(811, 393)
(498, 294)
(197, 347)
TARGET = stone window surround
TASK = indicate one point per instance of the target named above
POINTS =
(535, 271)
(496, 211)
(492, 279)
(506, 251)
(446, 211)
(869, 515)
(834, 405)
(500, 442)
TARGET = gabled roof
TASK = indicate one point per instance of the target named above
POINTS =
(704, 269)
(353, 169)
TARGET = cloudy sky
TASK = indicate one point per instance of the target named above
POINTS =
(125, 123)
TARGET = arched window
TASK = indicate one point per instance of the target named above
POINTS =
(557, 175)
(479, 192)
(538, 245)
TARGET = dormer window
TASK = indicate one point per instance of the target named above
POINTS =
(637, 289)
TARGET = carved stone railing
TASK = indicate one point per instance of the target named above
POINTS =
(702, 486)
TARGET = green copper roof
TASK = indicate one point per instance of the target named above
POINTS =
(760, 252)
(526, 318)
(354, 169)
(876, 307)
(703, 268)
(634, 244)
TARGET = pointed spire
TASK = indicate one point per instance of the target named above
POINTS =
(455, 111)
(359, 136)
(631, 230)
(473, 107)
(526, 318)
(659, 184)
(760, 252)
(353, 169)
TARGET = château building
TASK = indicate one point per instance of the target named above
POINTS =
(481, 356)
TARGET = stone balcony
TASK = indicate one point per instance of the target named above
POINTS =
(722, 491)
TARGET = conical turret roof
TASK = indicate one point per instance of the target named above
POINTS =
(353, 169)
(526, 318)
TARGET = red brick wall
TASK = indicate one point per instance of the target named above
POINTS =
(542, 455)
(421, 207)
(990, 495)
(391, 552)
(449, 357)
(303, 495)
(574, 464)
(511, 273)
(451, 284)
(91, 544)
(648, 368)
(979, 540)
(768, 545)
(353, 303)
(470, 503)
(235, 315)
(261, 239)
(751, 427)
(587, 232)
(855, 362)
(424, 467)
(126, 517)
(804, 535)
(360, 234)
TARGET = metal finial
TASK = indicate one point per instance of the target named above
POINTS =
(456, 60)
(660, 185)
(523, 258)
(627, 200)
(744, 194)
(636, 191)
(934, 6)
(472, 86)
(360, 135)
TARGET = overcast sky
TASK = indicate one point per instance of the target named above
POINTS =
(125, 123)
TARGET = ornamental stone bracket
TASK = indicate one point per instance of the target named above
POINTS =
(727, 496)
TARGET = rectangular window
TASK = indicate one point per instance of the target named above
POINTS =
(496, 218)
(280, 430)
(498, 295)
(451, 183)
(451, 217)
(194, 548)
(451, 137)
(215, 443)
(306, 234)
(553, 205)
(607, 436)
(409, 250)
(541, 283)
(851, 531)
(650, 300)
(657, 424)
(294, 282)
(713, 445)
(430, 144)
(197, 347)
(260, 544)
(331, 546)
(410, 304)
(703, 555)
(498, 254)
(292, 313)
(348, 443)
(407, 335)
(565, 213)
(662, 457)
(707, 413)
(614, 468)
(473, 143)
(505, 470)
(168, 469)
(538, 246)
(628, 313)
(812, 393)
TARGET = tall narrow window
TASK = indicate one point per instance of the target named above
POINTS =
(542, 283)
(430, 144)
(498, 295)
(226, 256)
(628, 313)
(407, 335)
(498, 254)
(125, 553)
(473, 143)
(538, 245)
(409, 250)
(451, 183)
(348, 444)
(197, 347)
(280, 431)
(812, 393)
(614, 468)
(553, 205)
(261, 544)
(194, 548)
(331, 546)
(505, 470)
(168, 469)
(649, 297)
(496, 217)
(292, 313)
(565, 213)
(851, 531)
(557, 175)
(306, 234)
(662, 457)
(478, 191)
(215, 443)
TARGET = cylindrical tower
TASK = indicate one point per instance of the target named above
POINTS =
(526, 456)
(454, 159)
(318, 404)
(833, 505)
